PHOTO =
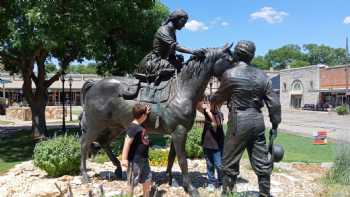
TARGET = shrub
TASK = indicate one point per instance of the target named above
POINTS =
(58, 156)
(155, 139)
(193, 144)
(341, 110)
(158, 157)
(117, 145)
(340, 172)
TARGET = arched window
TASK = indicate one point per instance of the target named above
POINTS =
(297, 87)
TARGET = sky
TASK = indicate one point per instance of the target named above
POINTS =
(270, 24)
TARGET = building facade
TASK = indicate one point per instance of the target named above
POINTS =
(12, 89)
(315, 85)
(299, 86)
(334, 85)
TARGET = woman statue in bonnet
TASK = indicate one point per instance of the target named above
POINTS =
(163, 55)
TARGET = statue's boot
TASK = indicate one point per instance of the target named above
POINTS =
(264, 185)
(228, 184)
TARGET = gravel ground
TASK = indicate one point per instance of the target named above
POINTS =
(288, 179)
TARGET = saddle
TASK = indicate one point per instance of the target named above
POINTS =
(150, 89)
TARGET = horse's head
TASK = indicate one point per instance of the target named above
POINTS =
(224, 59)
(214, 63)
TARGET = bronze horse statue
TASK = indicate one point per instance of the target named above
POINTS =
(106, 114)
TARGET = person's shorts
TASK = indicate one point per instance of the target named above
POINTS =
(139, 172)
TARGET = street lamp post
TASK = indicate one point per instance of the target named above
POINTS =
(70, 97)
(63, 107)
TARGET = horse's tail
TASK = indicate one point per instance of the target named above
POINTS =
(86, 86)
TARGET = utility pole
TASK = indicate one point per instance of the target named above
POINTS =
(347, 47)
(347, 94)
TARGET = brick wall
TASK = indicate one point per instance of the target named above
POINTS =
(334, 77)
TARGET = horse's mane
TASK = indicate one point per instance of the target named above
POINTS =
(194, 66)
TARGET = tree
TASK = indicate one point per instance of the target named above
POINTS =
(322, 54)
(298, 63)
(126, 42)
(51, 68)
(34, 31)
(83, 69)
(282, 57)
(261, 63)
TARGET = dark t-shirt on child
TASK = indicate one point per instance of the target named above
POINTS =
(139, 147)
(211, 138)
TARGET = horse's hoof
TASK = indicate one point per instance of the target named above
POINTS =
(118, 173)
(192, 191)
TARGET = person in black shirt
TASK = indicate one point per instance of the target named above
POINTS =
(135, 151)
(212, 142)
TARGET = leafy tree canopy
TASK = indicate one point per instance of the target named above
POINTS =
(295, 56)
(115, 33)
(83, 69)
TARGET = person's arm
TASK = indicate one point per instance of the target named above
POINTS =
(183, 49)
(207, 113)
(126, 148)
(223, 92)
(199, 52)
(211, 117)
(272, 102)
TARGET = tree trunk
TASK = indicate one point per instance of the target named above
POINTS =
(38, 117)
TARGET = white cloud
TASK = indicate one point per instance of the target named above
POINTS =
(224, 23)
(269, 14)
(194, 26)
(347, 20)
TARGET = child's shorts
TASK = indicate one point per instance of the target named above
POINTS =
(139, 171)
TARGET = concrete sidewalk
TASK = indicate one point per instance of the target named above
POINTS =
(6, 130)
(306, 123)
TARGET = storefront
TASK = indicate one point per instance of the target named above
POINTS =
(335, 98)
(13, 93)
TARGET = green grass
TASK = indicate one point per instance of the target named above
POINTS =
(301, 149)
(20, 147)
(332, 190)
(15, 149)
(5, 122)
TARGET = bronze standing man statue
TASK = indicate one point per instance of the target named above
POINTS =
(163, 55)
(246, 88)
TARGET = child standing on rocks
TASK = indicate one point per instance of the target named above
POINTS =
(212, 142)
(135, 151)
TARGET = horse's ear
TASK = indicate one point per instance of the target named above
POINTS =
(227, 47)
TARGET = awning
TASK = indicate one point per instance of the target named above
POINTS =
(335, 91)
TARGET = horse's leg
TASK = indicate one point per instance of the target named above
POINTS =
(179, 140)
(85, 148)
(118, 172)
(171, 159)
